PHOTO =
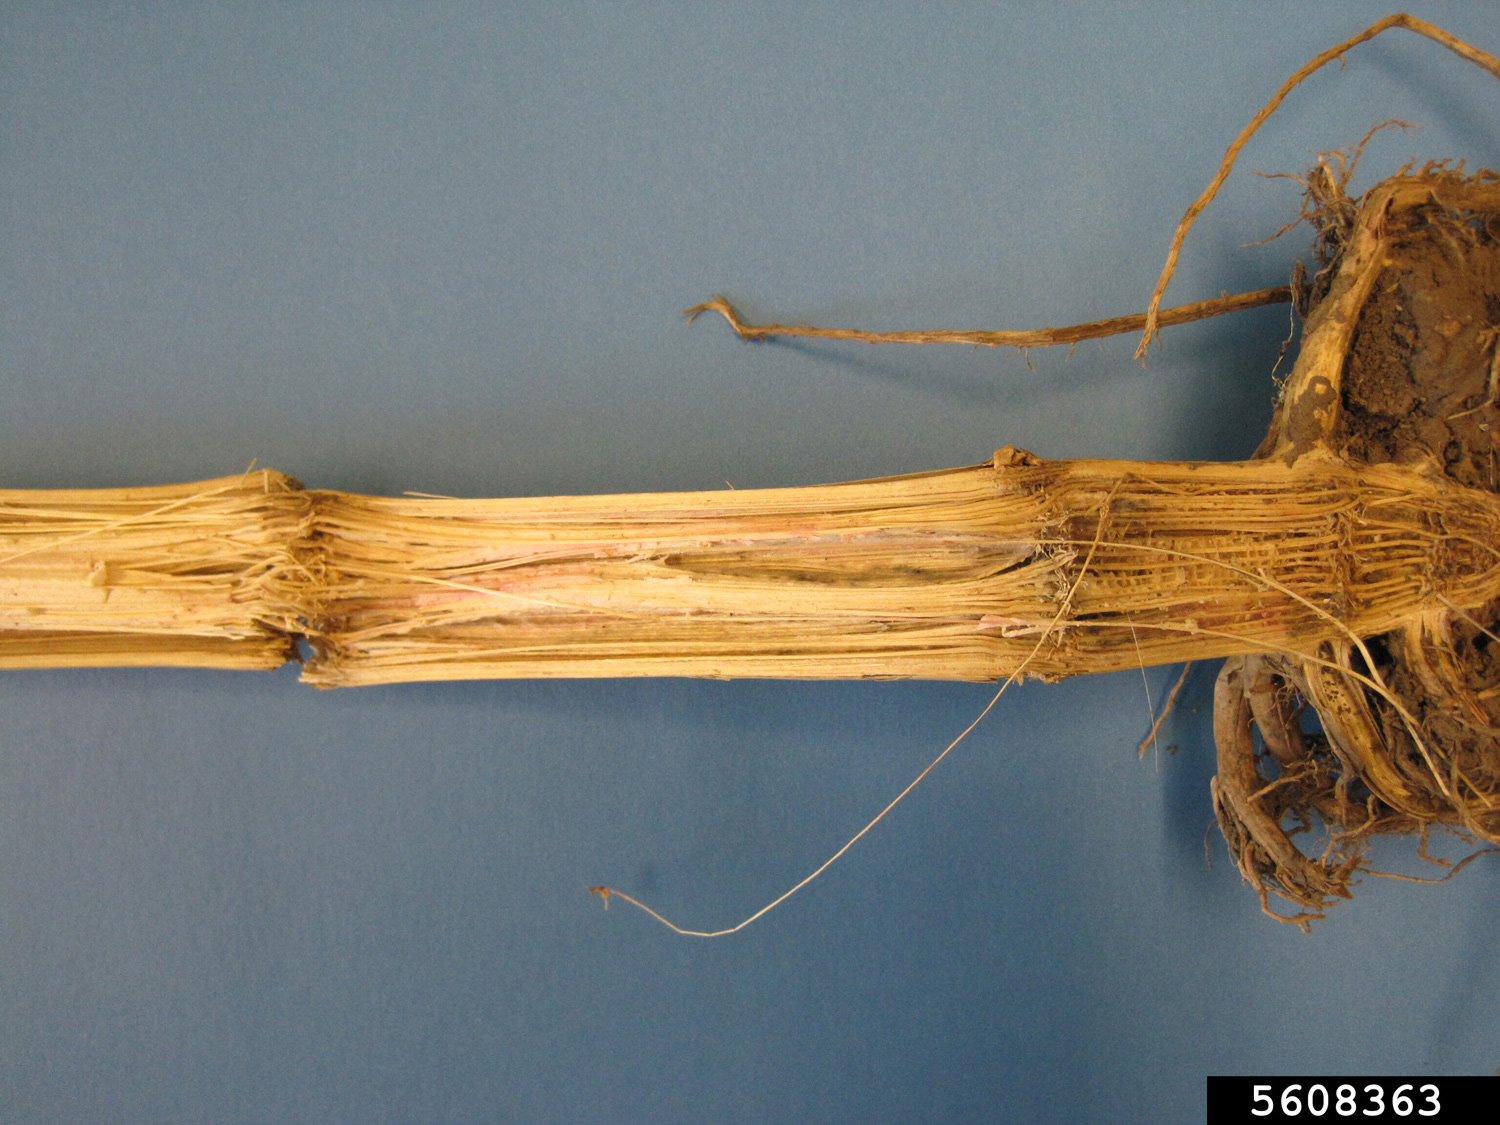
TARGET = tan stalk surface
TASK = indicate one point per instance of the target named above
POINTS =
(136, 576)
(949, 575)
(946, 575)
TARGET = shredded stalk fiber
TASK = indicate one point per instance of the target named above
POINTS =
(139, 576)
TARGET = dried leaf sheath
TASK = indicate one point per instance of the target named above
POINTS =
(136, 576)
(948, 575)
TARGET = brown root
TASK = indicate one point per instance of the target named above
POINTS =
(984, 338)
(1398, 367)
(1481, 59)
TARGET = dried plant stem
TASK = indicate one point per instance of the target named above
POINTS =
(946, 575)
(136, 576)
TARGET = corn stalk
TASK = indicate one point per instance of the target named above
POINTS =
(1351, 567)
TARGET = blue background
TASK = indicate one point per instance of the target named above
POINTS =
(443, 248)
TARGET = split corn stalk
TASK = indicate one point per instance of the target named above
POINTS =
(1054, 567)
(1350, 567)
